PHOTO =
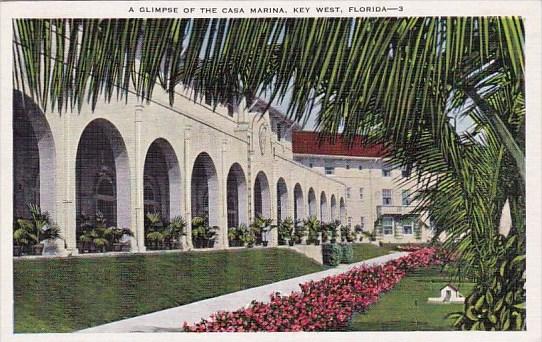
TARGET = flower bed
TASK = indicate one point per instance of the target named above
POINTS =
(326, 304)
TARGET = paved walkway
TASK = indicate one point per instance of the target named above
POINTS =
(172, 319)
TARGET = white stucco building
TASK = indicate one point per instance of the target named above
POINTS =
(378, 199)
(124, 159)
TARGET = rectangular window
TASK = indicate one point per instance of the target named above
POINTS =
(348, 192)
(329, 170)
(279, 131)
(386, 172)
(386, 197)
(387, 225)
(407, 228)
(362, 222)
(405, 196)
(360, 193)
(349, 221)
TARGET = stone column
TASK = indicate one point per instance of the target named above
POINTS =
(69, 210)
(138, 243)
(187, 185)
(222, 174)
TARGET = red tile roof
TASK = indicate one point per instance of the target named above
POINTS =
(305, 142)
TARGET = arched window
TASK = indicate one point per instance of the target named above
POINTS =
(151, 196)
(105, 198)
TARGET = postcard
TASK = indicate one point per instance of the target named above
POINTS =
(271, 170)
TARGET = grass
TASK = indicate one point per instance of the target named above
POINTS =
(364, 251)
(405, 307)
(64, 295)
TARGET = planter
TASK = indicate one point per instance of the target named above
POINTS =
(91, 247)
(117, 247)
(37, 249)
(291, 242)
(17, 250)
(234, 243)
(265, 243)
(101, 249)
(317, 243)
(210, 243)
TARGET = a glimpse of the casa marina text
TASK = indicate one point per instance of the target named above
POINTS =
(313, 10)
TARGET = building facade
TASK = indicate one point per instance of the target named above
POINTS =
(378, 198)
(125, 159)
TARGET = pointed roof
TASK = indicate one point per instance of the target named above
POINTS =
(451, 286)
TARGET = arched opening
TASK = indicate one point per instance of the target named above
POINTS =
(299, 204)
(162, 181)
(333, 201)
(34, 159)
(342, 211)
(312, 202)
(262, 196)
(324, 215)
(103, 176)
(282, 200)
(204, 188)
(236, 194)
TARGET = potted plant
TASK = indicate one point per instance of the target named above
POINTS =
(198, 231)
(359, 232)
(114, 235)
(346, 234)
(333, 228)
(233, 237)
(261, 226)
(249, 239)
(21, 236)
(94, 240)
(155, 239)
(100, 240)
(313, 227)
(154, 231)
(300, 233)
(370, 235)
(177, 231)
(41, 222)
(285, 229)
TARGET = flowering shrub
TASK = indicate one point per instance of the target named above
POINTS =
(321, 305)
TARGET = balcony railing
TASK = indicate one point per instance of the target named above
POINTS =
(393, 210)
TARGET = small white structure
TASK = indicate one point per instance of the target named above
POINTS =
(448, 294)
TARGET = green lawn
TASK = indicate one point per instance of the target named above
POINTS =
(63, 295)
(364, 251)
(397, 309)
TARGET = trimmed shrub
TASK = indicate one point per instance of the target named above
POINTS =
(347, 253)
(331, 254)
